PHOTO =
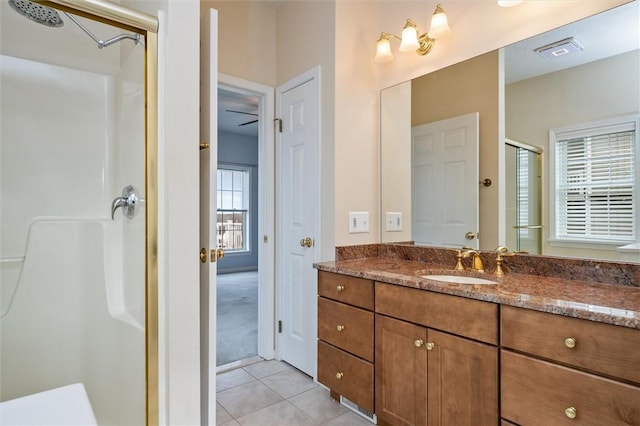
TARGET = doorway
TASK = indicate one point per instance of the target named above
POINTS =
(245, 320)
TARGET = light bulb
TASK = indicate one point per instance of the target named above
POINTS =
(383, 50)
(409, 41)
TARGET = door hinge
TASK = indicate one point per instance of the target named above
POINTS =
(279, 326)
(279, 120)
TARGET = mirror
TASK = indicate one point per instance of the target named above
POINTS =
(600, 82)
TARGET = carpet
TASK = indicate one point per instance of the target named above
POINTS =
(237, 318)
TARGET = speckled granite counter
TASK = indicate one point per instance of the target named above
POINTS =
(610, 294)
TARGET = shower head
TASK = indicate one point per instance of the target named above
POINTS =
(36, 12)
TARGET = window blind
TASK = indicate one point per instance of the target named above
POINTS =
(596, 194)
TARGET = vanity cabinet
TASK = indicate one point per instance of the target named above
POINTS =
(572, 371)
(423, 373)
(345, 337)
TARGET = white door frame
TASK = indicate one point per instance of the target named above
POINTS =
(266, 197)
(312, 74)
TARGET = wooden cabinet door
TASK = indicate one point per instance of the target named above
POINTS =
(400, 372)
(462, 381)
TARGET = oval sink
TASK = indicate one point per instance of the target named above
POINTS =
(458, 279)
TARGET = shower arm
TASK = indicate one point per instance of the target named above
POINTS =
(101, 44)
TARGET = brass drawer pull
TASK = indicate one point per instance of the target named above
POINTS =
(339, 375)
(418, 343)
(570, 342)
(430, 346)
(340, 327)
(571, 412)
(340, 288)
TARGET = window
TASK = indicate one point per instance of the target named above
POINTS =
(232, 224)
(595, 176)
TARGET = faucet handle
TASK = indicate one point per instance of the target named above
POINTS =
(501, 251)
(459, 266)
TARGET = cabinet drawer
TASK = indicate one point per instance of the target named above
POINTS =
(347, 289)
(603, 348)
(465, 317)
(537, 392)
(346, 327)
(346, 375)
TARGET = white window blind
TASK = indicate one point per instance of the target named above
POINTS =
(595, 182)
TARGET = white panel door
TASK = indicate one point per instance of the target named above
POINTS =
(444, 182)
(208, 240)
(297, 217)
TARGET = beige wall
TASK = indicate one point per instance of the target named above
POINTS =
(305, 38)
(598, 90)
(247, 39)
(356, 121)
(469, 86)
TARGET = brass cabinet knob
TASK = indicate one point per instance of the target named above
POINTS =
(339, 288)
(339, 375)
(419, 343)
(570, 342)
(306, 242)
(203, 255)
(340, 327)
(571, 412)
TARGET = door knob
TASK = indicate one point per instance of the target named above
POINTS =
(216, 254)
(306, 242)
(127, 201)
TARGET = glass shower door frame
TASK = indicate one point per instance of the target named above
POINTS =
(147, 25)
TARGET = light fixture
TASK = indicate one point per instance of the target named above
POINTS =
(508, 3)
(412, 40)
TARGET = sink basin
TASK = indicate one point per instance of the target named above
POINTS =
(457, 279)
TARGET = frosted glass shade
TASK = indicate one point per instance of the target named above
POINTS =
(383, 51)
(409, 41)
(439, 24)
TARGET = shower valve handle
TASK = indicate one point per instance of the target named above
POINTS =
(127, 202)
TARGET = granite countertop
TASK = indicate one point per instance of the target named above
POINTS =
(601, 302)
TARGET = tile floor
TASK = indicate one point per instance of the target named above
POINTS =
(274, 393)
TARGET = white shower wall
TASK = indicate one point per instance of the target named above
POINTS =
(71, 279)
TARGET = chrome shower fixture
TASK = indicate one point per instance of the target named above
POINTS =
(37, 13)
(135, 37)
(49, 17)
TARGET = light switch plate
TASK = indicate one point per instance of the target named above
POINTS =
(393, 221)
(358, 222)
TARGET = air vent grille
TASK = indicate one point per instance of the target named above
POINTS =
(559, 48)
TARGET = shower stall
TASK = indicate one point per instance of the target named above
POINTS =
(77, 209)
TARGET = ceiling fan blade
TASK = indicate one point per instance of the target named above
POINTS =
(242, 112)
(248, 122)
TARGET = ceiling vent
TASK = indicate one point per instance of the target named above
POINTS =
(559, 48)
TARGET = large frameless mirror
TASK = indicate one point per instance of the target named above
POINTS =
(591, 83)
